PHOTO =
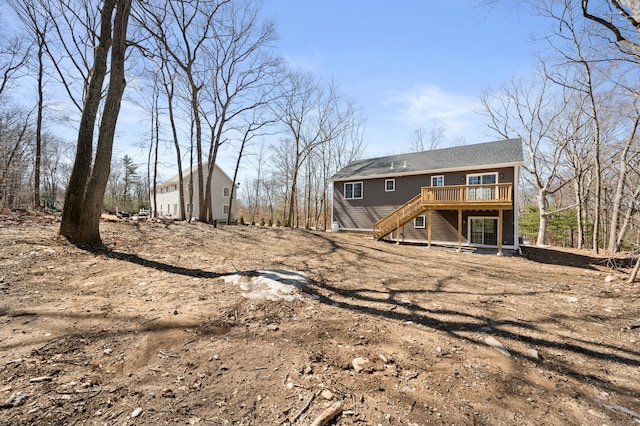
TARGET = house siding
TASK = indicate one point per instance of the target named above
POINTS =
(361, 214)
(168, 197)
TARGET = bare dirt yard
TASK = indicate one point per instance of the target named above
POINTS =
(178, 323)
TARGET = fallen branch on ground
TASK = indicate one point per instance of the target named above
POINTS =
(327, 415)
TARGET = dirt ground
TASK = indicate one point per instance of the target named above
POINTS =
(155, 331)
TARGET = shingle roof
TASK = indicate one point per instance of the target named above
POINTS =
(491, 154)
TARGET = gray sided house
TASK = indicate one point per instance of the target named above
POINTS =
(168, 196)
(466, 195)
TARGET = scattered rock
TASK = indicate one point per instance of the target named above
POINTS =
(491, 341)
(358, 364)
(387, 359)
(16, 399)
(327, 394)
(136, 412)
(609, 278)
(533, 353)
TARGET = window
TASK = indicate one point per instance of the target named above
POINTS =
(487, 192)
(390, 185)
(419, 222)
(225, 209)
(226, 191)
(437, 180)
(353, 190)
(175, 209)
(189, 208)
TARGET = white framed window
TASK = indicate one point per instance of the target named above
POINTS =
(353, 190)
(189, 208)
(225, 209)
(483, 192)
(175, 209)
(389, 185)
(226, 191)
(419, 222)
(437, 180)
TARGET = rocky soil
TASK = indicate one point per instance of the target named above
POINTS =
(178, 323)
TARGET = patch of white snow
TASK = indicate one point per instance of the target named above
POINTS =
(270, 284)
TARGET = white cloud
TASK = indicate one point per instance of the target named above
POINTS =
(424, 106)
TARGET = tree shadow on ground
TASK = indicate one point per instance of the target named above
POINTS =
(552, 256)
(141, 261)
(462, 324)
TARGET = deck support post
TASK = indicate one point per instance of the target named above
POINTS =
(459, 230)
(429, 229)
(398, 231)
(500, 216)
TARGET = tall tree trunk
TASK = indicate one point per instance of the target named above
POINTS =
(176, 143)
(82, 210)
(202, 208)
(627, 218)
(614, 234)
(38, 167)
(577, 188)
(542, 228)
(74, 198)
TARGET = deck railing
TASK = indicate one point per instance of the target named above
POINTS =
(467, 196)
(497, 195)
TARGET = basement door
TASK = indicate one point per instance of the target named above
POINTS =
(483, 231)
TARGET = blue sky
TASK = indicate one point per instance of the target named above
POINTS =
(406, 64)
(410, 63)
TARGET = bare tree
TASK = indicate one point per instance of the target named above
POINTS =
(38, 24)
(421, 140)
(255, 126)
(530, 111)
(14, 53)
(183, 29)
(625, 157)
(15, 133)
(83, 201)
(416, 141)
(56, 168)
(311, 115)
(243, 76)
(619, 19)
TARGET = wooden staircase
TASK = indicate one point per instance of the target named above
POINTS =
(497, 196)
(394, 220)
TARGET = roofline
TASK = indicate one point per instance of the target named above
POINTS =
(186, 172)
(430, 172)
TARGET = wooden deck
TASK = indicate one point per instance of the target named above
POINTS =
(497, 196)
(468, 197)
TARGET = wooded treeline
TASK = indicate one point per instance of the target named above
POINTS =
(578, 115)
(210, 80)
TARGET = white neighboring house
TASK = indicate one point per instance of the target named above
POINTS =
(168, 196)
